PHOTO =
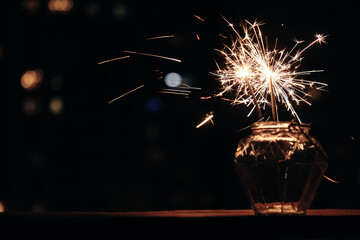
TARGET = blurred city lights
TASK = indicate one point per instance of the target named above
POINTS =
(92, 9)
(31, 6)
(2, 208)
(119, 11)
(60, 5)
(173, 79)
(153, 104)
(31, 106)
(56, 106)
(31, 79)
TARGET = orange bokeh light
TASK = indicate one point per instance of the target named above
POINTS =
(60, 5)
(31, 79)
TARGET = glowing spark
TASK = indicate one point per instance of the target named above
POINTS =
(160, 37)
(199, 18)
(204, 98)
(114, 59)
(123, 95)
(259, 76)
(153, 55)
(331, 180)
(207, 119)
(189, 87)
(174, 91)
(197, 37)
(320, 38)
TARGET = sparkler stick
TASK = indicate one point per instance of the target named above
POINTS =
(253, 97)
(272, 99)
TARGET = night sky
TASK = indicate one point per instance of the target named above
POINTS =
(64, 148)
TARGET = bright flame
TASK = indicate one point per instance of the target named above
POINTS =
(254, 73)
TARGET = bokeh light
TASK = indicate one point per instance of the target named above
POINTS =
(153, 104)
(60, 5)
(56, 106)
(173, 79)
(120, 11)
(31, 79)
(31, 106)
(31, 6)
(2, 207)
(92, 9)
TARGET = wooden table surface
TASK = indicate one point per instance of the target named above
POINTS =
(224, 213)
(176, 213)
(316, 224)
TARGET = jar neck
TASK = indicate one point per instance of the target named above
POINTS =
(283, 126)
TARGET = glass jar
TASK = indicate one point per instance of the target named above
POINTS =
(280, 166)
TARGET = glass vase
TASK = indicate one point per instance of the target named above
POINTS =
(280, 166)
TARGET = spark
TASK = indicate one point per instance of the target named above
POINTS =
(208, 118)
(113, 59)
(259, 76)
(185, 90)
(153, 55)
(189, 87)
(331, 180)
(123, 95)
(206, 97)
(160, 37)
(199, 18)
(175, 91)
(168, 91)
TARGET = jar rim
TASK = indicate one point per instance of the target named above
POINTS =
(278, 125)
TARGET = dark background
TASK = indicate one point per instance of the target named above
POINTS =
(144, 152)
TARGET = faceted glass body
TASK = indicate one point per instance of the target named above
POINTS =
(280, 166)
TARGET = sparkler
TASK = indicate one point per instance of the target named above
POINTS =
(261, 76)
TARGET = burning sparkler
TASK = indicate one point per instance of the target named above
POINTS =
(261, 76)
